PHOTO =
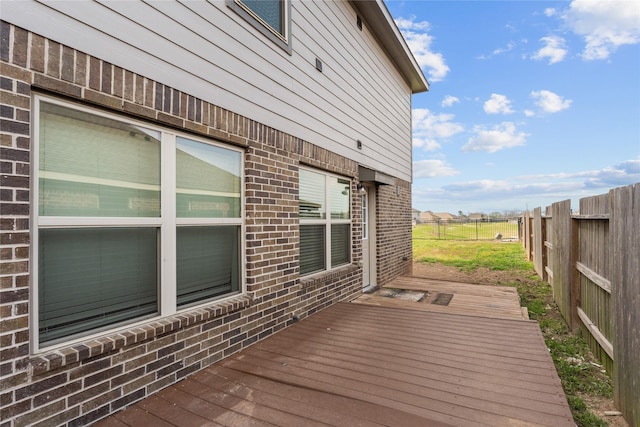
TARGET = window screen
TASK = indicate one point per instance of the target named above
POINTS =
(271, 12)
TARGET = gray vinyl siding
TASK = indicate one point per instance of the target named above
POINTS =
(205, 49)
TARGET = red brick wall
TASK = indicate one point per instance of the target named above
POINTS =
(85, 381)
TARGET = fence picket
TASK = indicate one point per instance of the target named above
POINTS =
(592, 263)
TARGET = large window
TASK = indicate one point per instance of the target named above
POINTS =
(133, 221)
(325, 221)
(270, 17)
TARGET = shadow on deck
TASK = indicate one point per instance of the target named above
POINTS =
(360, 364)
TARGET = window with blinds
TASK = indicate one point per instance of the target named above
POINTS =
(325, 221)
(133, 221)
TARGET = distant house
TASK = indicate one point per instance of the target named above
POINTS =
(427, 216)
(477, 216)
(444, 216)
(181, 180)
(415, 215)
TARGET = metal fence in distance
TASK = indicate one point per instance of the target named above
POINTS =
(466, 229)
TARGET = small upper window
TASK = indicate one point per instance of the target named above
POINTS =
(270, 17)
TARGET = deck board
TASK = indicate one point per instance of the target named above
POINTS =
(500, 302)
(358, 364)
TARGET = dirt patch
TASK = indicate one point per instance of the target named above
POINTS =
(480, 276)
(483, 276)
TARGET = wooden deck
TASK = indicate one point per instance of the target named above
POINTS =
(364, 365)
(465, 298)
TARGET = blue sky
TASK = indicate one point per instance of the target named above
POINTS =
(530, 102)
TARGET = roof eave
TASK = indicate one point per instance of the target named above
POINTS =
(379, 19)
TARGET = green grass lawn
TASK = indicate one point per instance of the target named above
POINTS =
(465, 231)
(582, 379)
(469, 255)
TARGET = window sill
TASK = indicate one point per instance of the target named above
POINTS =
(325, 277)
(63, 356)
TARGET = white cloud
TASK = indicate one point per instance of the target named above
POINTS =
(426, 144)
(419, 41)
(550, 102)
(432, 169)
(554, 49)
(497, 104)
(449, 100)
(526, 191)
(623, 173)
(499, 137)
(429, 128)
(605, 25)
(529, 113)
(498, 51)
(550, 12)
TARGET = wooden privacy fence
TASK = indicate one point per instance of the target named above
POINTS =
(592, 262)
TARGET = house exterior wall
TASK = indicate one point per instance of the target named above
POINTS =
(205, 48)
(393, 231)
(85, 381)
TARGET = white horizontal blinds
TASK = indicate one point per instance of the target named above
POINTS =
(312, 195)
(312, 236)
(325, 240)
(208, 186)
(95, 166)
(271, 12)
(208, 182)
(92, 167)
(339, 198)
(92, 277)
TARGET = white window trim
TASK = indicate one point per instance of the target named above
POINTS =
(282, 40)
(167, 223)
(328, 221)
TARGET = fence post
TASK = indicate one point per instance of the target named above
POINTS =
(624, 253)
(574, 276)
(562, 243)
(527, 234)
(543, 238)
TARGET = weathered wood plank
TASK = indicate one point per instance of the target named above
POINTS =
(539, 237)
(561, 255)
(488, 301)
(594, 277)
(591, 216)
(595, 332)
(625, 291)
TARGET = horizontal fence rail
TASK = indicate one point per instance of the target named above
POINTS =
(467, 229)
(591, 259)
